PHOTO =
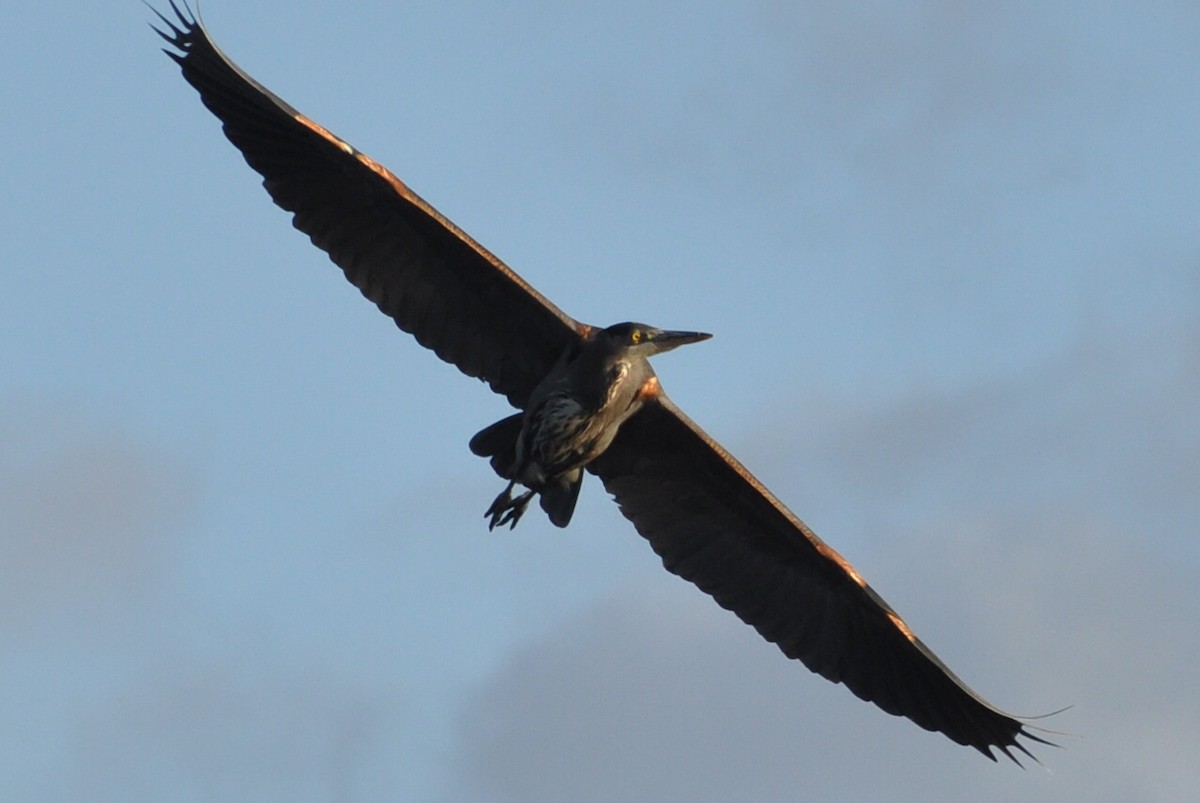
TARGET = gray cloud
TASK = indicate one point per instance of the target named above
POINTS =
(1108, 430)
(659, 695)
(86, 511)
(233, 730)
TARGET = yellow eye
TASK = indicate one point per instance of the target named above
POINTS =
(636, 336)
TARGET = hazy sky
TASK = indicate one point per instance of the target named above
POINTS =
(951, 256)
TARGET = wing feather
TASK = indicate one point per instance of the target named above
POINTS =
(436, 282)
(714, 524)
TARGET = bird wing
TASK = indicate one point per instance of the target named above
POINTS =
(419, 268)
(708, 518)
(714, 524)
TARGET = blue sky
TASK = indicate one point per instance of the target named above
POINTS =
(951, 258)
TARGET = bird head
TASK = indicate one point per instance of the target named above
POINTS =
(646, 341)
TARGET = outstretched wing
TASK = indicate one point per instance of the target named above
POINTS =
(714, 524)
(706, 516)
(418, 267)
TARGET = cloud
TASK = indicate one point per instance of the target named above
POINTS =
(86, 511)
(659, 695)
(1108, 430)
(228, 730)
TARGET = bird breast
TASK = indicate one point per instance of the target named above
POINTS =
(559, 434)
(565, 433)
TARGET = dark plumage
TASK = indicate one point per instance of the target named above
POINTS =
(589, 401)
(572, 417)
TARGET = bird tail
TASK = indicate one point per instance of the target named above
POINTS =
(559, 495)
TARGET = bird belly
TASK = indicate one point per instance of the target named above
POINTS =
(560, 437)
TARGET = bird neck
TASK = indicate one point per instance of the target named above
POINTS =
(596, 374)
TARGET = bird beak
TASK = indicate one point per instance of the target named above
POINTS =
(665, 340)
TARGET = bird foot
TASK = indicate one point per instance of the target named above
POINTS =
(507, 509)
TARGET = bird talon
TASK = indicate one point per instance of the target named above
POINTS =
(506, 509)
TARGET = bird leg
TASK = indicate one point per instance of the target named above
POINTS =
(507, 509)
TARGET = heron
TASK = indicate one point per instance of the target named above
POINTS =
(587, 401)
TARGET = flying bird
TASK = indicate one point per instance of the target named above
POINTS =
(587, 401)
